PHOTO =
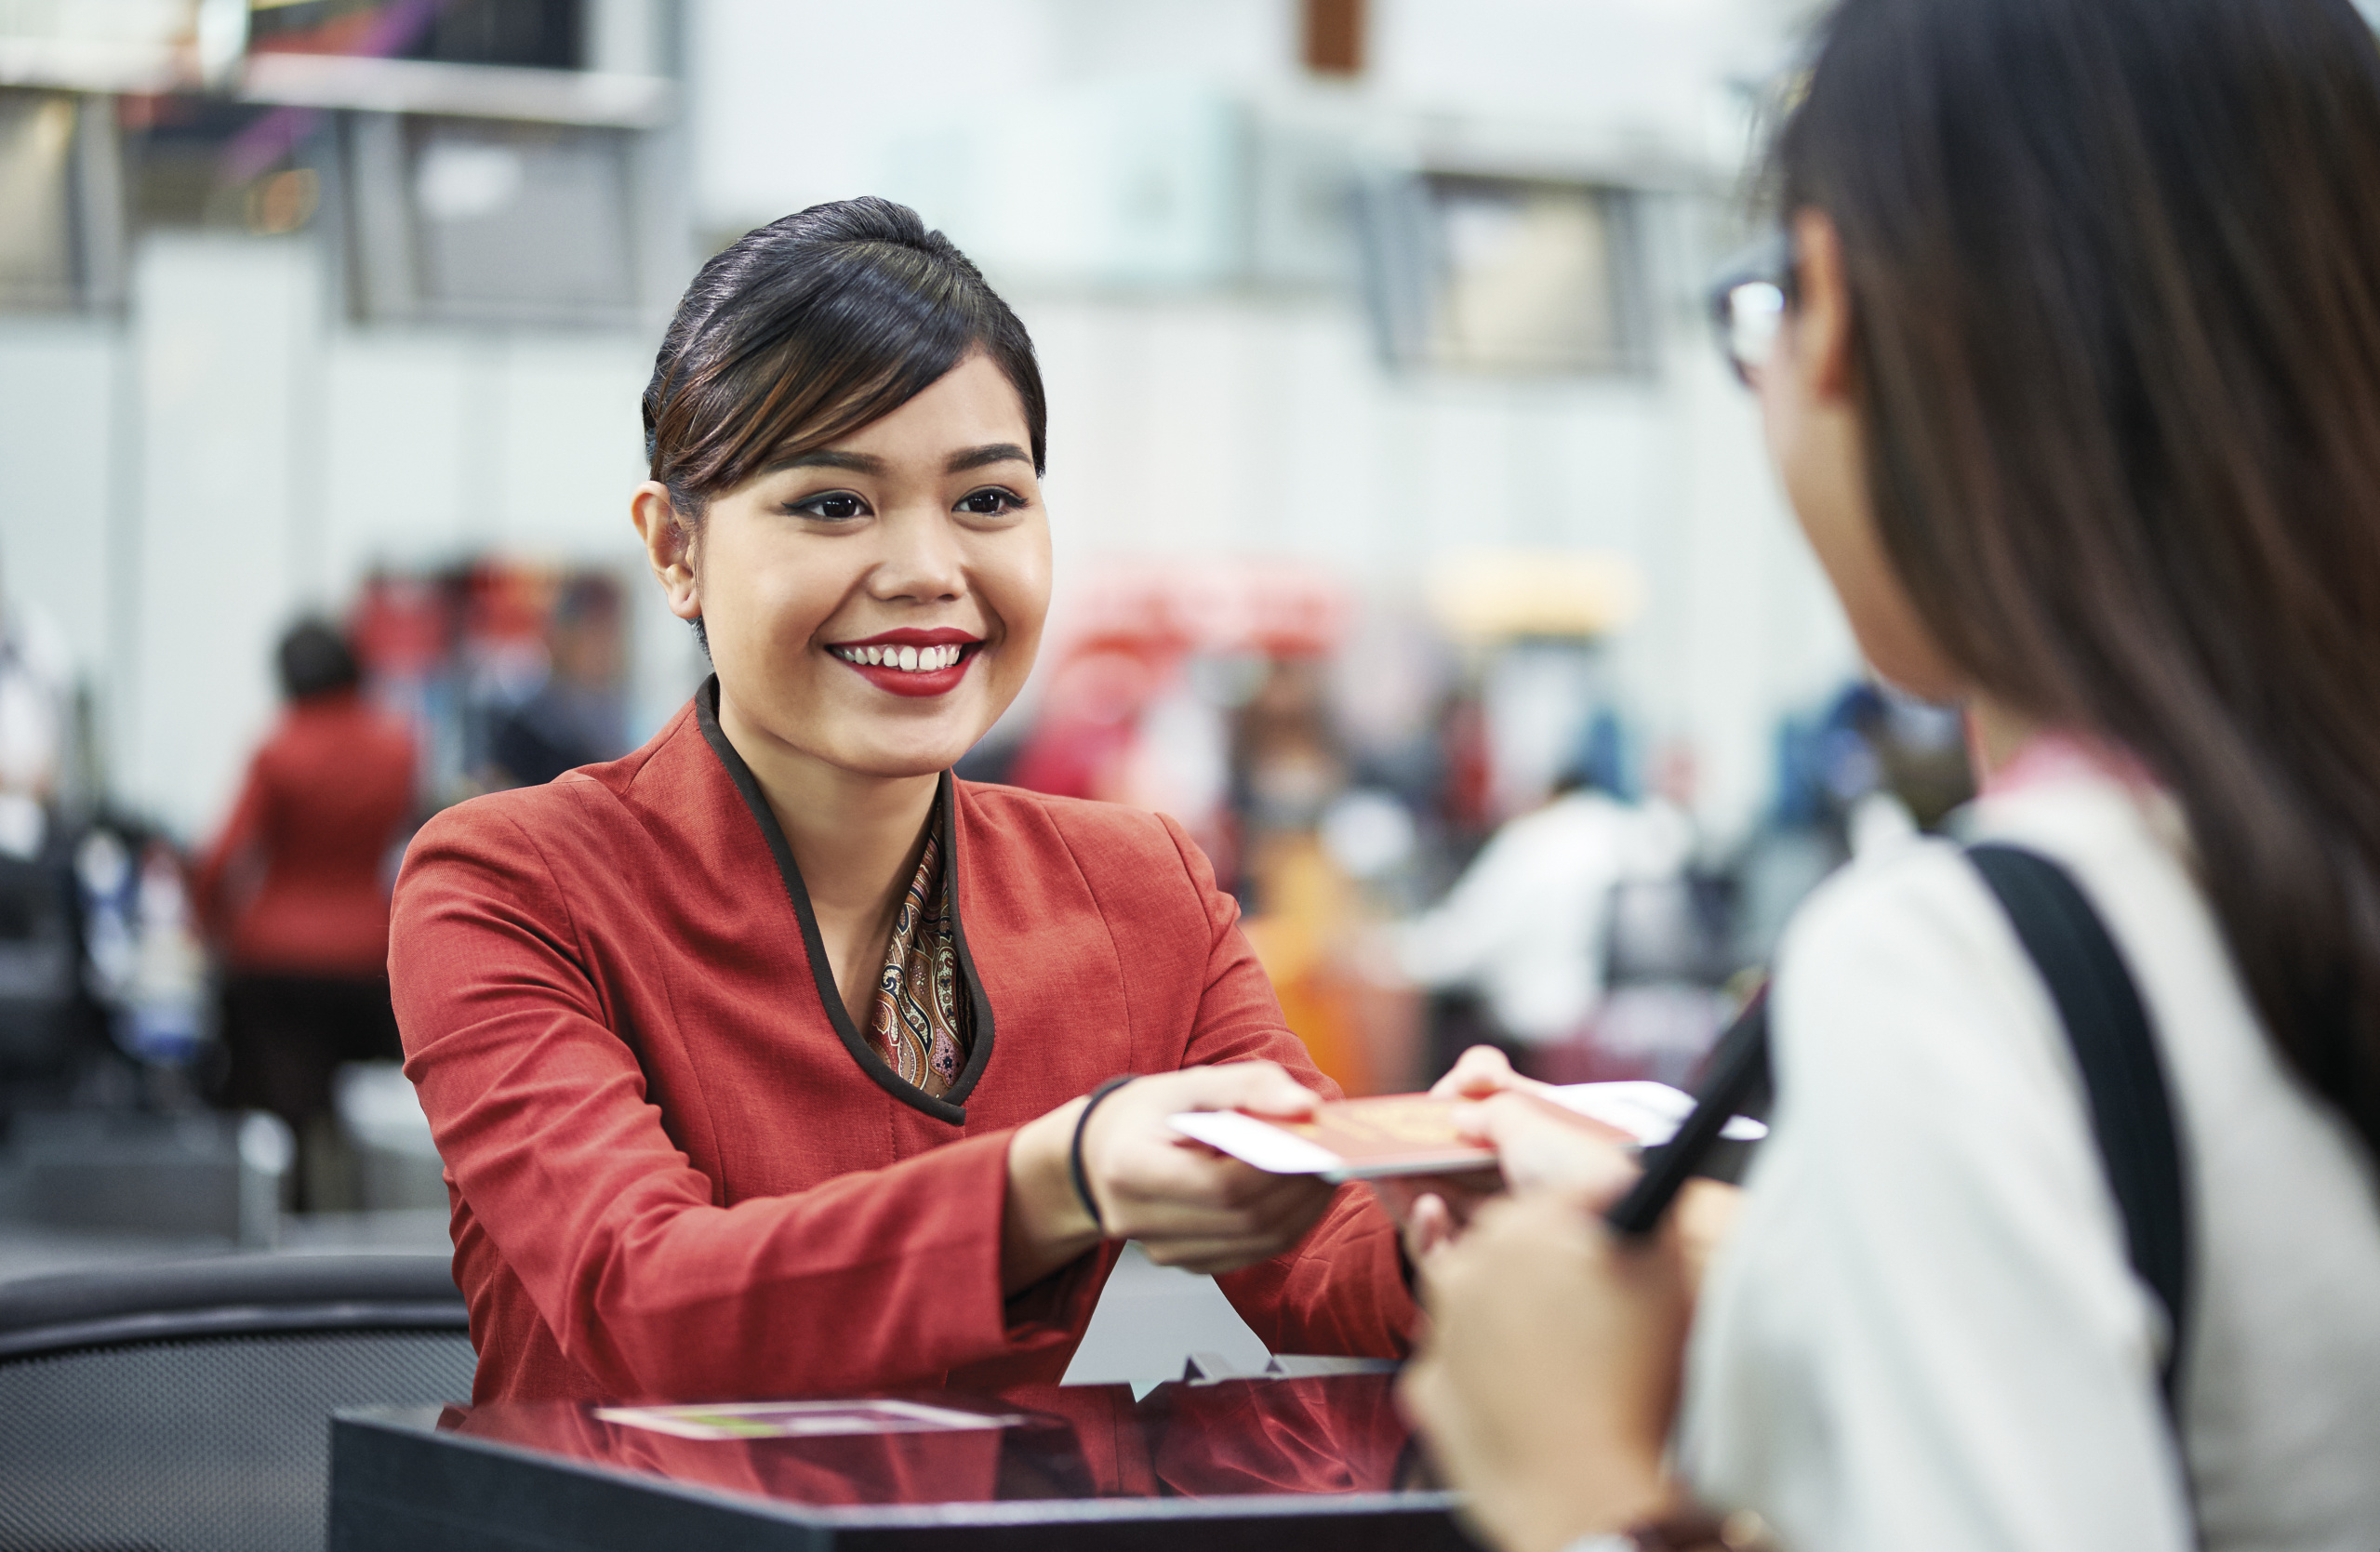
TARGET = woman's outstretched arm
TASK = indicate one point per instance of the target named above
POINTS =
(647, 1281)
(653, 1286)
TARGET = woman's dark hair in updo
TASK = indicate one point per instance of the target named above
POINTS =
(808, 329)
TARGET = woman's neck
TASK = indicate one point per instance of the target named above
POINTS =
(855, 838)
(2010, 749)
(1996, 734)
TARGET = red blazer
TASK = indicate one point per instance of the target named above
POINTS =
(325, 797)
(676, 1169)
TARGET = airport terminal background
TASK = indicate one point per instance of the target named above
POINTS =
(1399, 496)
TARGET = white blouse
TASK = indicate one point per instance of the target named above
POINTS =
(1925, 1334)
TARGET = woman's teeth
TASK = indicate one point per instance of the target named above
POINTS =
(909, 659)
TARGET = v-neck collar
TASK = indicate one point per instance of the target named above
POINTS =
(951, 1108)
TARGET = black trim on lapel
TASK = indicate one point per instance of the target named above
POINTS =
(951, 1110)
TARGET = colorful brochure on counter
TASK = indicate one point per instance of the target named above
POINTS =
(804, 1419)
(1412, 1133)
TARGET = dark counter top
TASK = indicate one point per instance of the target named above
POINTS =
(1313, 1463)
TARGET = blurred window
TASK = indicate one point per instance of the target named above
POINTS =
(1521, 275)
(60, 220)
(549, 34)
(463, 220)
(36, 205)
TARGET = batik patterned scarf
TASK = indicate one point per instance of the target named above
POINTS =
(922, 1029)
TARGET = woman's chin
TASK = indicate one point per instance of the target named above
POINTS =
(876, 735)
(894, 755)
(899, 769)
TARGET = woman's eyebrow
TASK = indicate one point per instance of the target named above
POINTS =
(993, 452)
(829, 457)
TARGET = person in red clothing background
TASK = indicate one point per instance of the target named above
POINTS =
(295, 892)
(774, 1060)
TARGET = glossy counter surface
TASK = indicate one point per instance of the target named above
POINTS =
(1310, 1463)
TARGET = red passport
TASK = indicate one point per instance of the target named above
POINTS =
(1413, 1134)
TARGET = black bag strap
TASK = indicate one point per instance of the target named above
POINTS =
(2132, 1113)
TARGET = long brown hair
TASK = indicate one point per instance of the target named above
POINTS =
(2115, 278)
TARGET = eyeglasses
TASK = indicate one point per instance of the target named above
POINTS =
(1749, 303)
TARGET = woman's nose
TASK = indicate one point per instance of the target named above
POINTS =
(922, 559)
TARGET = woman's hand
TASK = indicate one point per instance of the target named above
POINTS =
(1548, 1148)
(1428, 1209)
(1481, 1072)
(1432, 1209)
(1549, 1376)
(1186, 1204)
(1540, 1147)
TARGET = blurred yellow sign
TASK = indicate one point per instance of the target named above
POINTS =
(1492, 595)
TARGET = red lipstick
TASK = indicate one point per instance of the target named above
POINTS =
(909, 661)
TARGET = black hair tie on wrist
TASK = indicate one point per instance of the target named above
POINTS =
(1074, 1153)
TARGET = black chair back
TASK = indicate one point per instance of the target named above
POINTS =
(185, 1407)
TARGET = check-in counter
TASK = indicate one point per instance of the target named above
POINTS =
(1313, 1463)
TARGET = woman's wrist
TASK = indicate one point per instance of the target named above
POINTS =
(1684, 1530)
(1046, 1224)
(1571, 1511)
(1077, 1170)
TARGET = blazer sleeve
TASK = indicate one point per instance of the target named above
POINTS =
(1343, 1290)
(649, 1284)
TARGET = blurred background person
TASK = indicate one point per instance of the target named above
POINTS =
(1082, 743)
(295, 891)
(577, 717)
(1527, 926)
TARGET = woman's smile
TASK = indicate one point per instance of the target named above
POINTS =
(873, 605)
(909, 661)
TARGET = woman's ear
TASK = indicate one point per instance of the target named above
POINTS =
(1822, 312)
(668, 546)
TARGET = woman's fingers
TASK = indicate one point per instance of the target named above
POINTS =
(1705, 1215)
(1480, 1072)
(1158, 1188)
(1431, 1224)
(1259, 1088)
(1214, 1196)
(1447, 1199)
(1545, 1147)
(1548, 1372)
(1197, 1245)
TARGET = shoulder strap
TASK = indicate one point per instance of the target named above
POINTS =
(2131, 1114)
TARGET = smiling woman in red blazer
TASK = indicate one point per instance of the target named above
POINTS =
(760, 1059)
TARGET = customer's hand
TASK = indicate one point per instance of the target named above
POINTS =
(1186, 1204)
(1548, 1373)
(1542, 1147)
(1547, 1149)
(1481, 1072)
(1539, 1145)
(1428, 1209)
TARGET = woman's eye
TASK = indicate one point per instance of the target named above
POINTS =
(834, 505)
(989, 503)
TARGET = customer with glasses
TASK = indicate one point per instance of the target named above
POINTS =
(2069, 362)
